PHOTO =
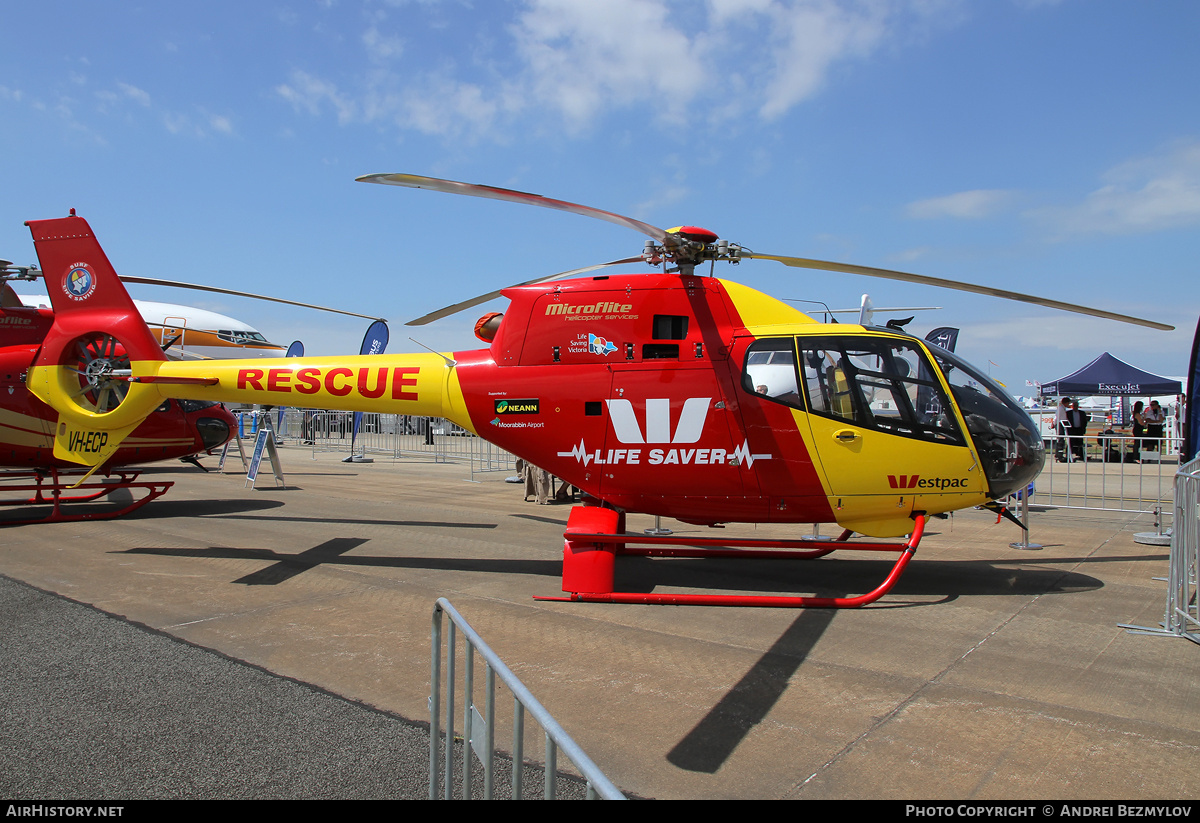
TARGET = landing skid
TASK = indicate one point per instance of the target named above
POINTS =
(54, 488)
(594, 537)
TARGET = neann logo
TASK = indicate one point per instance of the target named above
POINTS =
(529, 406)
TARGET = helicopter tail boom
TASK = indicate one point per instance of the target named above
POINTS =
(423, 385)
(103, 371)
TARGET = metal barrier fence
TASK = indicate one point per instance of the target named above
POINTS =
(1181, 617)
(395, 435)
(479, 730)
(1113, 472)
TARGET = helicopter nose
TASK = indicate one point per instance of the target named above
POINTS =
(213, 432)
(1024, 460)
(1009, 447)
(1006, 440)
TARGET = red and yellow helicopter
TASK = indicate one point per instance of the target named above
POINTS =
(673, 393)
(173, 429)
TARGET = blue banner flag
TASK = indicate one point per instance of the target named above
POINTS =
(294, 350)
(1192, 417)
(945, 337)
(374, 342)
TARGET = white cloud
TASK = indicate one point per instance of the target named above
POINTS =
(134, 93)
(967, 205)
(1082, 338)
(444, 106)
(200, 126)
(1161, 191)
(809, 38)
(677, 62)
(381, 47)
(582, 57)
(308, 93)
(220, 123)
(665, 195)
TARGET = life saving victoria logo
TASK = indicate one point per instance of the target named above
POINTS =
(80, 282)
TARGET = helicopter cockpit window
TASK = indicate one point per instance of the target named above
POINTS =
(1009, 445)
(877, 383)
(771, 371)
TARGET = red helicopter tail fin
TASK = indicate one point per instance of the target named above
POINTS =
(96, 346)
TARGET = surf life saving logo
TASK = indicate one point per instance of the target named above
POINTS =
(598, 345)
(658, 430)
(80, 282)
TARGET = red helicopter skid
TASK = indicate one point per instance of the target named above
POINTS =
(57, 491)
(588, 565)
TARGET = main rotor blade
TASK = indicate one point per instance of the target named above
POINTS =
(151, 281)
(906, 277)
(415, 181)
(483, 298)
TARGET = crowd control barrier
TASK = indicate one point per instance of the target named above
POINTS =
(479, 729)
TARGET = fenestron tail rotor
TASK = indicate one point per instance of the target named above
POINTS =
(687, 246)
(103, 369)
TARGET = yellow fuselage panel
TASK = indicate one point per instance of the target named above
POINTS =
(416, 384)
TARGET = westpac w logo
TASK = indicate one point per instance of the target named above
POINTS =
(904, 481)
(658, 420)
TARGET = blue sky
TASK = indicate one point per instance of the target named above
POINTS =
(1050, 147)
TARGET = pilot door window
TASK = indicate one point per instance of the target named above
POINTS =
(875, 383)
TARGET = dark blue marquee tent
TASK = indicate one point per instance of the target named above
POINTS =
(1106, 375)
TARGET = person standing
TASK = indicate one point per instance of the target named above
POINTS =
(1077, 424)
(1060, 428)
(1154, 418)
(1139, 429)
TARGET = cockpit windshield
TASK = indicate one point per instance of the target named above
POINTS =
(1007, 440)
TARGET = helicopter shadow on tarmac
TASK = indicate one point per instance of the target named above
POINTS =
(284, 566)
(945, 580)
(715, 737)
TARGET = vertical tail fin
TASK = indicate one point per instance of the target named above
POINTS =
(97, 343)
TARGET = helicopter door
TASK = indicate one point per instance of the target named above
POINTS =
(670, 437)
(886, 437)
